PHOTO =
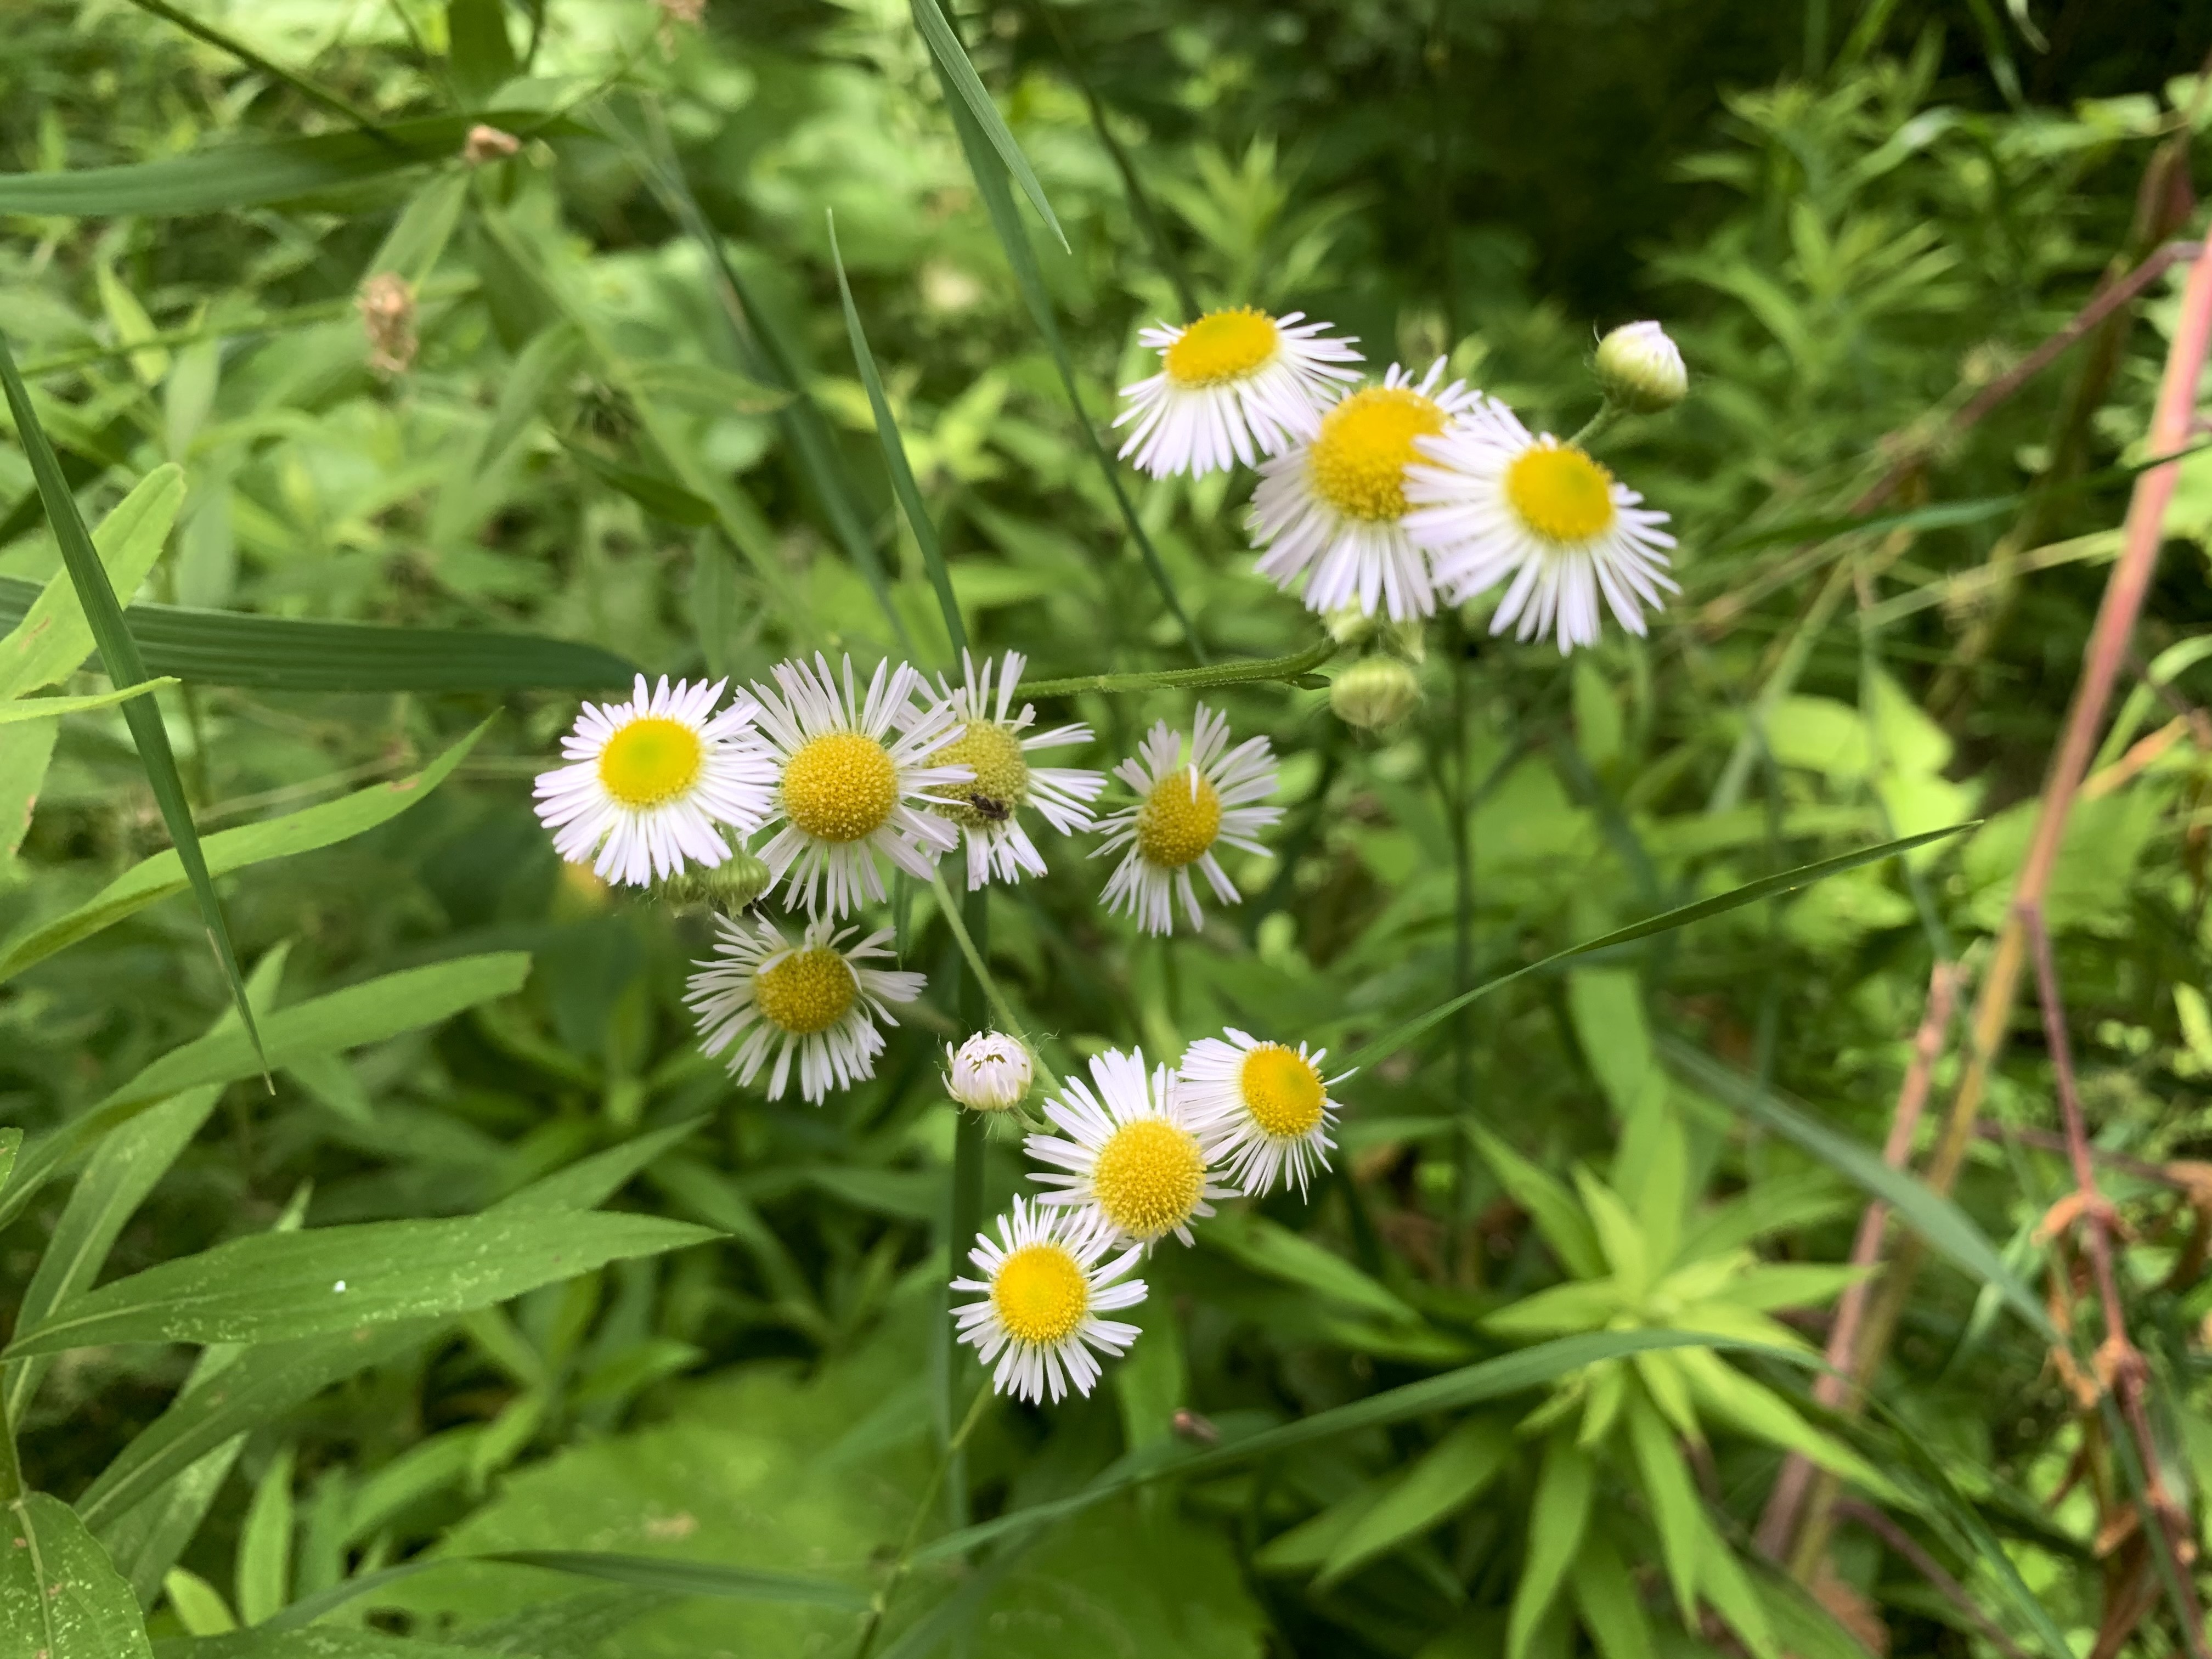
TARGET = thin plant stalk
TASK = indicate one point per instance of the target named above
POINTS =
(999, 1006)
(965, 1215)
(904, 1560)
(1291, 668)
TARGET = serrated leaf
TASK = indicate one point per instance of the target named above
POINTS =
(280, 1287)
(60, 1596)
(162, 876)
(1449, 1476)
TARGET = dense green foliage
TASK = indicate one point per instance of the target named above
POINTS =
(498, 1262)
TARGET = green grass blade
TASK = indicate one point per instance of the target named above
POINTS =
(708, 1578)
(1947, 1228)
(887, 433)
(236, 48)
(991, 182)
(961, 84)
(291, 653)
(47, 708)
(1785, 881)
(119, 653)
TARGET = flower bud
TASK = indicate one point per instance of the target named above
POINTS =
(488, 143)
(989, 1072)
(387, 317)
(729, 886)
(1375, 692)
(1349, 625)
(1640, 370)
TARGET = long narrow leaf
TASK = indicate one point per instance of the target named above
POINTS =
(118, 653)
(1786, 881)
(245, 54)
(887, 434)
(960, 81)
(291, 653)
(48, 708)
(709, 1578)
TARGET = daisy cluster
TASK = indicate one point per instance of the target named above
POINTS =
(836, 782)
(1395, 494)
(1123, 1162)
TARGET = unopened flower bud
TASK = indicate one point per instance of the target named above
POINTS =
(989, 1072)
(1640, 370)
(387, 317)
(1349, 625)
(1375, 692)
(487, 144)
(729, 886)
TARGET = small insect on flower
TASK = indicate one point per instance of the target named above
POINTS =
(1264, 1105)
(854, 779)
(1330, 511)
(760, 994)
(1495, 502)
(1232, 387)
(989, 1072)
(1182, 811)
(991, 745)
(1131, 1158)
(651, 782)
(1045, 1282)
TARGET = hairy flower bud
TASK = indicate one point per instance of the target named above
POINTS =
(1375, 692)
(1640, 370)
(989, 1072)
(728, 886)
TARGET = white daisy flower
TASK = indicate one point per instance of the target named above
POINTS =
(650, 781)
(853, 779)
(1182, 812)
(1131, 1157)
(760, 994)
(989, 1072)
(991, 745)
(1264, 1105)
(1495, 502)
(1044, 1285)
(1330, 509)
(1233, 385)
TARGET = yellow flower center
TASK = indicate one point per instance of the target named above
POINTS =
(1179, 819)
(1281, 1089)
(806, 992)
(1041, 1294)
(1222, 345)
(1149, 1177)
(1002, 777)
(839, 787)
(651, 760)
(1560, 493)
(1358, 459)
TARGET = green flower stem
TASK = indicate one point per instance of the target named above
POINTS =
(1228, 673)
(965, 1211)
(881, 1603)
(11, 1470)
(999, 1006)
(1608, 416)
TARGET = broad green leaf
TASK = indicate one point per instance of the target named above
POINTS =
(1469, 1385)
(49, 636)
(60, 1596)
(1792, 1284)
(1672, 1497)
(1558, 1216)
(1449, 1475)
(710, 1578)
(291, 653)
(146, 1541)
(24, 751)
(1608, 1007)
(1269, 1248)
(162, 876)
(960, 78)
(1618, 1236)
(1605, 1597)
(247, 1393)
(1787, 881)
(324, 1642)
(265, 1545)
(279, 1287)
(1580, 1305)
(198, 1606)
(894, 446)
(482, 55)
(118, 655)
(1947, 1228)
(47, 708)
(250, 174)
(590, 1181)
(350, 1018)
(1556, 1521)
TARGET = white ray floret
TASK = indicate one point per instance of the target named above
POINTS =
(856, 779)
(1130, 1158)
(1233, 386)
(764, 998)
(1263, 1106)
(1046, 1279)
(1498, 504)
(989, 741)
(652, 783)
(1184, 810)
(1329, 511)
